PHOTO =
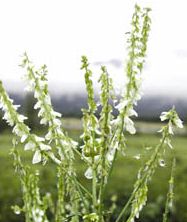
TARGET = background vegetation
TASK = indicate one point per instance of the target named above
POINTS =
(122, 180)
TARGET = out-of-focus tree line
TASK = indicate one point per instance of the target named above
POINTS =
(70, 105)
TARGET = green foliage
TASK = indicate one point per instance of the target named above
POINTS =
(122, 178)
(103, 138)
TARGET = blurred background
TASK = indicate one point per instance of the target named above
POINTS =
(57, 33)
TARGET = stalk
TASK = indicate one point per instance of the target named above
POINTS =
(142, 181)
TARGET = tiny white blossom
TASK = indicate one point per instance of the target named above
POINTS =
(44, 147)
(132, 112)
(8, 118)
(37, 157)
(29, 146)
(38, 139)
(23, 138)
(129, 125)
(110, 155)
(122, 105)
(41, 112)
(37, 105)
(64, 143)
(48, 136)
(16, 106)
(178, 123)
(21, 118)
(164, 116)
(56, 114)
(170, 129)
(57, 122)
(43, 121)
(36, 94)
(47, 100)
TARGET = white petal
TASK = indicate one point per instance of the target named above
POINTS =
(122, 105)
(39, 139)
(37, 157)
(170, 129)
(57, 114)
(110, 155)
(37, 105)
(178, 123)
(23, 138)
(48, 136)
(29, 146)
(43, 121)
(44, 147)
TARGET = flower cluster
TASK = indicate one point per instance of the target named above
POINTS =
(137, 52)
(173, 121)
(65, 146)
(32, 141)
(37, 81)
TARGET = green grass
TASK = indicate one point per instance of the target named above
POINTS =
(121, 183)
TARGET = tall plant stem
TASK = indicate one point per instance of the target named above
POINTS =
(94, 186)
(155, 154)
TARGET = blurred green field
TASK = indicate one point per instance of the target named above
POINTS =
(121, 181)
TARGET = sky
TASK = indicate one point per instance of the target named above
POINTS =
(58, 32)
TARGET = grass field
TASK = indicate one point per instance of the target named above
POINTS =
(121, 182)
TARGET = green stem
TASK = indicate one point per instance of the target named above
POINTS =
(155, 154)
(94, 186)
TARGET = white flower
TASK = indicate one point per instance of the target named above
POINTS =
(44, 147)
(15, 106)
(38, 139)
(132, 112)
(110, 155)
(48, 136)
(17, 130)
(122, 105)
(8, 118)
(57, 122)
(21, 118)
(178, 123)
(37, 157)
(38, 215)
(41, 112)
(129, 125)
(47, 100)
(74, 143)
(170, 129)
(37, 105)
(56, 114)
(164, 116)
(173, 117)
(23, 138)
(29, 146)
(36, 93)
(43, 121)
(64, 143)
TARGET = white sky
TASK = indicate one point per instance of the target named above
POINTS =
(58, 32)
